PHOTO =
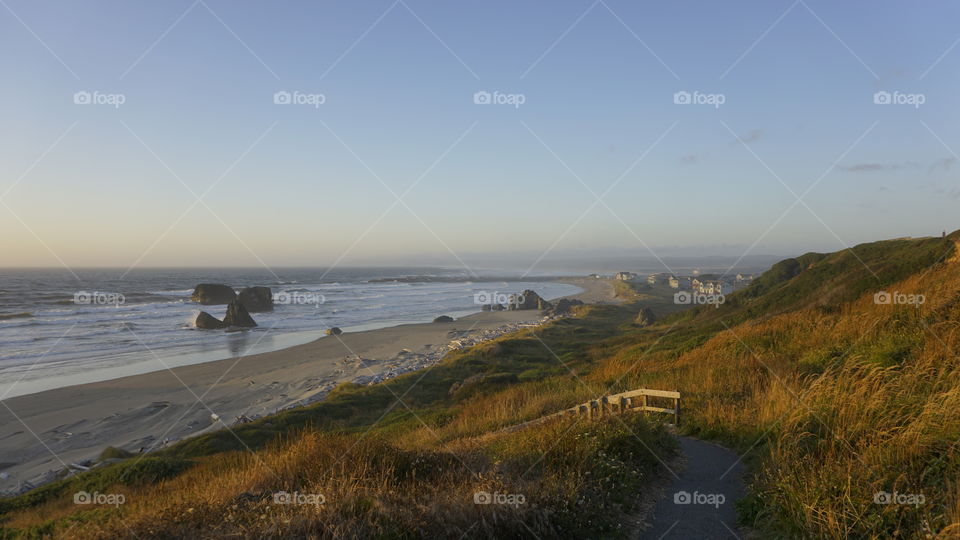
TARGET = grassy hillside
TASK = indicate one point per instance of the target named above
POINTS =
(834, 399)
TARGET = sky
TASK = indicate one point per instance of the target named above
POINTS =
(216, 133)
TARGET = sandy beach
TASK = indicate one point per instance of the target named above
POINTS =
(48, 431)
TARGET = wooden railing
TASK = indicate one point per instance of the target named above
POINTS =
(634, 400)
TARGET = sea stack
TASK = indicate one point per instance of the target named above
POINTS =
(212, 294)
(256, 299)
(238, 316)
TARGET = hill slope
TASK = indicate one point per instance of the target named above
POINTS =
(839, 403)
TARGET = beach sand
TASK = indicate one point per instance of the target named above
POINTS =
(45, 432)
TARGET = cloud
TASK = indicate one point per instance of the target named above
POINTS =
(942, 164)
(876, 167)
(749, 137)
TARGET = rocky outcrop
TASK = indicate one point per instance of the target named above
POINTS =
(334, 331)
(646, 317)
(530, 300)
(256, 299)
(497, 307)
(211, 294)
(443, 318)
(206, 321)
(564, 306)
(238, 316)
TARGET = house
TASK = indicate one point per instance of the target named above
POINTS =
(712, 287)
(674, 282)
(624, 276)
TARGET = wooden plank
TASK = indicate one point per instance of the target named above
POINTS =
(657, 409)
(662, 393)
(648, 392)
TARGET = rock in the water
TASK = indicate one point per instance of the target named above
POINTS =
(530, 300)
(237, 315)
(256, 299)
(207, 321)
(443, 318)
(646, 317)
(334, 331)
(211, 294)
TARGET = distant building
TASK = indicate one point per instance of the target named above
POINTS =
(674, 282)
(625, 276)
(712, 287)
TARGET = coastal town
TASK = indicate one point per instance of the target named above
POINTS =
(696, 282)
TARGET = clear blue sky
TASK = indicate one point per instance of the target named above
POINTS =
(398, 79)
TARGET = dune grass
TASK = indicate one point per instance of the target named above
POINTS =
(838, 404)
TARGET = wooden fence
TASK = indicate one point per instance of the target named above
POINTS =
(634, 400)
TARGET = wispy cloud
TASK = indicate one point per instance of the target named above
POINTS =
(877, 167)
(749, 137)
(942, 164)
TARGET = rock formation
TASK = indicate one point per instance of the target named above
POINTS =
(210, 294)
(256, 299)
(335, 331)
(238, 316)
(206, 321)
(443, 318)
(646, 317)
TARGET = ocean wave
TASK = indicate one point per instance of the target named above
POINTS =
(7, 316)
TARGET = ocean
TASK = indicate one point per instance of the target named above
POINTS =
(58, 330)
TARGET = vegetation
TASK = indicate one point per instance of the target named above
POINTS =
(839, 403)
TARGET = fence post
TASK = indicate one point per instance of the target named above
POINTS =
(676, 412)
(644, 402)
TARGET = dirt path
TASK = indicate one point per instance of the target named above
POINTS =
(700, 503)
